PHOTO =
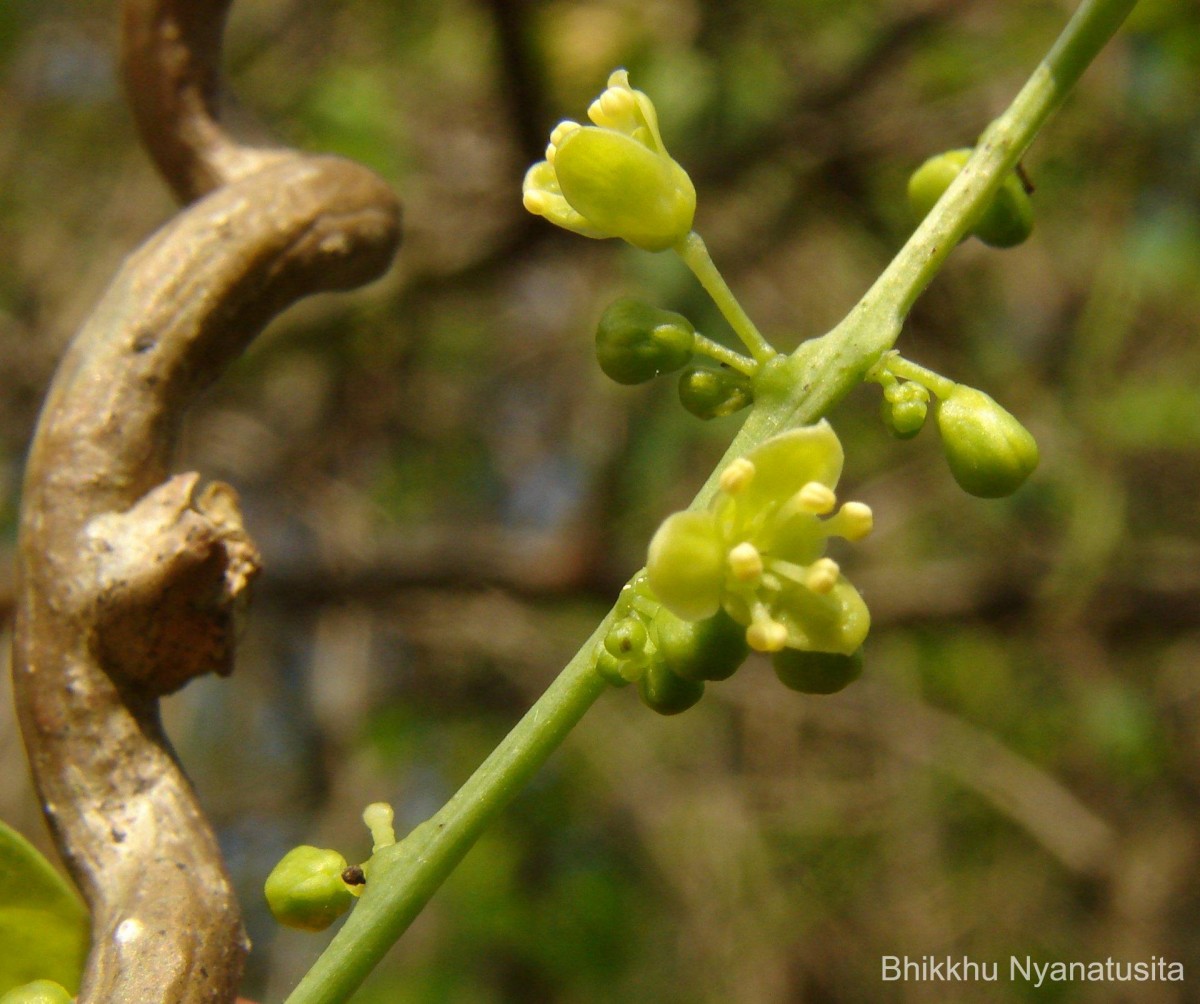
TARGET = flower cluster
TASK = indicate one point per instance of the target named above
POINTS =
(614, 178)
(757, 552)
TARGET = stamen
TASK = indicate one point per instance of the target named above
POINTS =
(853, 521)
(765, 634)
(745, 562)
(816, 498)
(737, 476)
(822, 575)
(789, 570)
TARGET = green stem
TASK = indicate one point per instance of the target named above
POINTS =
(696, 257)
(909, 370)
(404, 876)
(724, 354)
(790, 390)
(823, 370)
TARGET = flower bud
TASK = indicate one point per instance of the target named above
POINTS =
(711, 649)
(37, 992)
(305, 890)
(989, 452)
(904, 408)
(1008, 219)
(635, 342)
(613, 670)
(627, 638)
(930, 181)
(817, 672)
(1005, 222)
(714, 393)
(614, 178)
(625, 189)
(664, 692)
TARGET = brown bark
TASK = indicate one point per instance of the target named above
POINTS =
(130, 582)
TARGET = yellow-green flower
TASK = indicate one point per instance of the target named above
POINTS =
(614, 178)
(758, 550)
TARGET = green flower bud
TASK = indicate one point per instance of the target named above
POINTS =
(714, 393)
(817, 672)
(930, 181)
(613, 669)
(711, 649)
(904, 408)
(664, 692)
(38, 992)
(635, 342)
(614, 178)
(305, 890)
(685, 565)
(990, 453)
(627, 639)
(1006, 221)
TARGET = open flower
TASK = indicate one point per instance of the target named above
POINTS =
(614, 178)
(758, 550)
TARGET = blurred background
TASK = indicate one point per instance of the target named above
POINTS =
(448, 493)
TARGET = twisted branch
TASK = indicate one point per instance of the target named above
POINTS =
(130, 582)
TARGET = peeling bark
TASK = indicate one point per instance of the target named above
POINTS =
(131, 582)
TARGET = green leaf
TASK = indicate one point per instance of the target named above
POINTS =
(44, 928)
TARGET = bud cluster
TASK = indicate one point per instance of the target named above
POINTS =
(670, 659)
(988, 451)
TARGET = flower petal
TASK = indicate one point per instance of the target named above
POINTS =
(785, 463)
(686, 565)
(625, 189)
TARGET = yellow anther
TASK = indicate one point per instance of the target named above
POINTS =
(822, 575)
(766, 635)
(853, 521)
(745, 562)
(737, 476)
(816, 498)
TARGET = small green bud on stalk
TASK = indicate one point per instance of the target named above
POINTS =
(817, 672)
(627, 639)
(635, 342)
(38, 992)
(1005, 222)
(1008, 219)
(714, 393)
(305, 890)
(664, 692)
(989, 452)
(710, 649)
(904, 408)
(614, 671)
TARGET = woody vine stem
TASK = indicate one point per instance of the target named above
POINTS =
(790, 391)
